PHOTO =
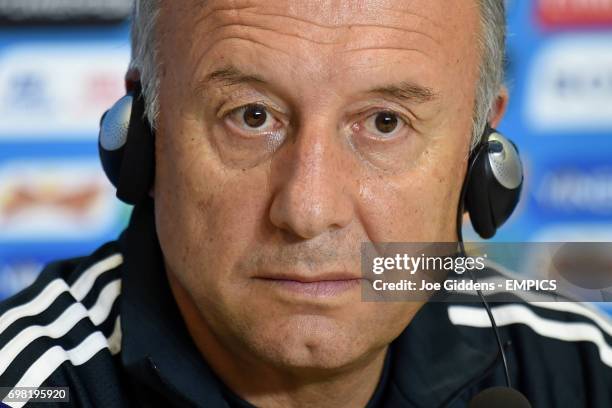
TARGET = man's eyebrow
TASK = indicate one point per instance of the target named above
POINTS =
(407, 91)
(228, 76)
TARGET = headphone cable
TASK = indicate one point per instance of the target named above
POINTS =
(482, 147)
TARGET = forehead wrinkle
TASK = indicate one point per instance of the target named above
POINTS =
(348, 26)
(213, 11)
(271, 30)
(384, 48)
(204, 54)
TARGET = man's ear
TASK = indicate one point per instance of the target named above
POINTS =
(499, 107)
(132, 77)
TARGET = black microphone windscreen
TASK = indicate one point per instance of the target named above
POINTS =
(499, 397)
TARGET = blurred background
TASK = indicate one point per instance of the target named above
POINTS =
(62, 65)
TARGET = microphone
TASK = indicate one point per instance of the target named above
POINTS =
(499, 397)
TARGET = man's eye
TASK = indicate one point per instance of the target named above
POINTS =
(252, 118)
(384, 123)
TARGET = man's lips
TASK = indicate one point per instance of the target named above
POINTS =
(325, 285)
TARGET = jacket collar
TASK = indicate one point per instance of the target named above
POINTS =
(156, 348)
(431, 361)
(436, 362)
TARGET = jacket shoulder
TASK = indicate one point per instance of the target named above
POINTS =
(568, 323)
(565, 347)
(67, 320)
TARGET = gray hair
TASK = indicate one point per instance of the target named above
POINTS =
(491, 70)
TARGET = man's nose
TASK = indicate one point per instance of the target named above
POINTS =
(314, 184)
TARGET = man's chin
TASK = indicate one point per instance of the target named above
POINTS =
(310, 342)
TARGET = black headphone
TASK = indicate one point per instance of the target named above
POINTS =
(490, 192)
(126, 144)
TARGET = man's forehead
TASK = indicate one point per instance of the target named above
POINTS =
(326, 14)
(325, 41)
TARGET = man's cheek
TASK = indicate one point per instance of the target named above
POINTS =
(234, 211)
(395, 214)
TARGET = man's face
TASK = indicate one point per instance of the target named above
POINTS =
(291, 132)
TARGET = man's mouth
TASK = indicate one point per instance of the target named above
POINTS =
(320, 285)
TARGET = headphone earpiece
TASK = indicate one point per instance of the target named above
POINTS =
(126, 145)
(113, 136)
(493, 182)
